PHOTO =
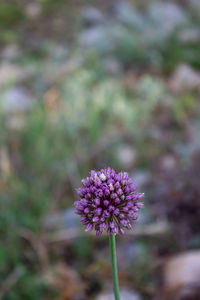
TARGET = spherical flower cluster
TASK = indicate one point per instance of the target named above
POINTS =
(108, 202)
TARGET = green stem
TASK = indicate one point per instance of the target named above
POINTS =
(114, 266)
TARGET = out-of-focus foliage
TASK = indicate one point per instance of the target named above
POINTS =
(124, 93)
(159, 35)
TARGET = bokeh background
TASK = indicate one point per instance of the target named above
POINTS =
(86, 85)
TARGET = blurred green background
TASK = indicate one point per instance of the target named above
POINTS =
(85, 85)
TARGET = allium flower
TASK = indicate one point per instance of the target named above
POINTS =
(108, 202)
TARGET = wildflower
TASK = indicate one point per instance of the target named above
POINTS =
(108, 202)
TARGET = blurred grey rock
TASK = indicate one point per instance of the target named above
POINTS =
(184, 78)
(166, 15)
(162, 19)
(127, 14)
(181, 276)
(97, 37)
(124, 295)
(182, 269)
(91, 15)
(17, 99)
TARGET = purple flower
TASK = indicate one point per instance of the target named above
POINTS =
(108, 202)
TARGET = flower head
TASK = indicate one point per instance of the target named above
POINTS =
(108, 202)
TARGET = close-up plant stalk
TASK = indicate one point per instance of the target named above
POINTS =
(113, 256)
